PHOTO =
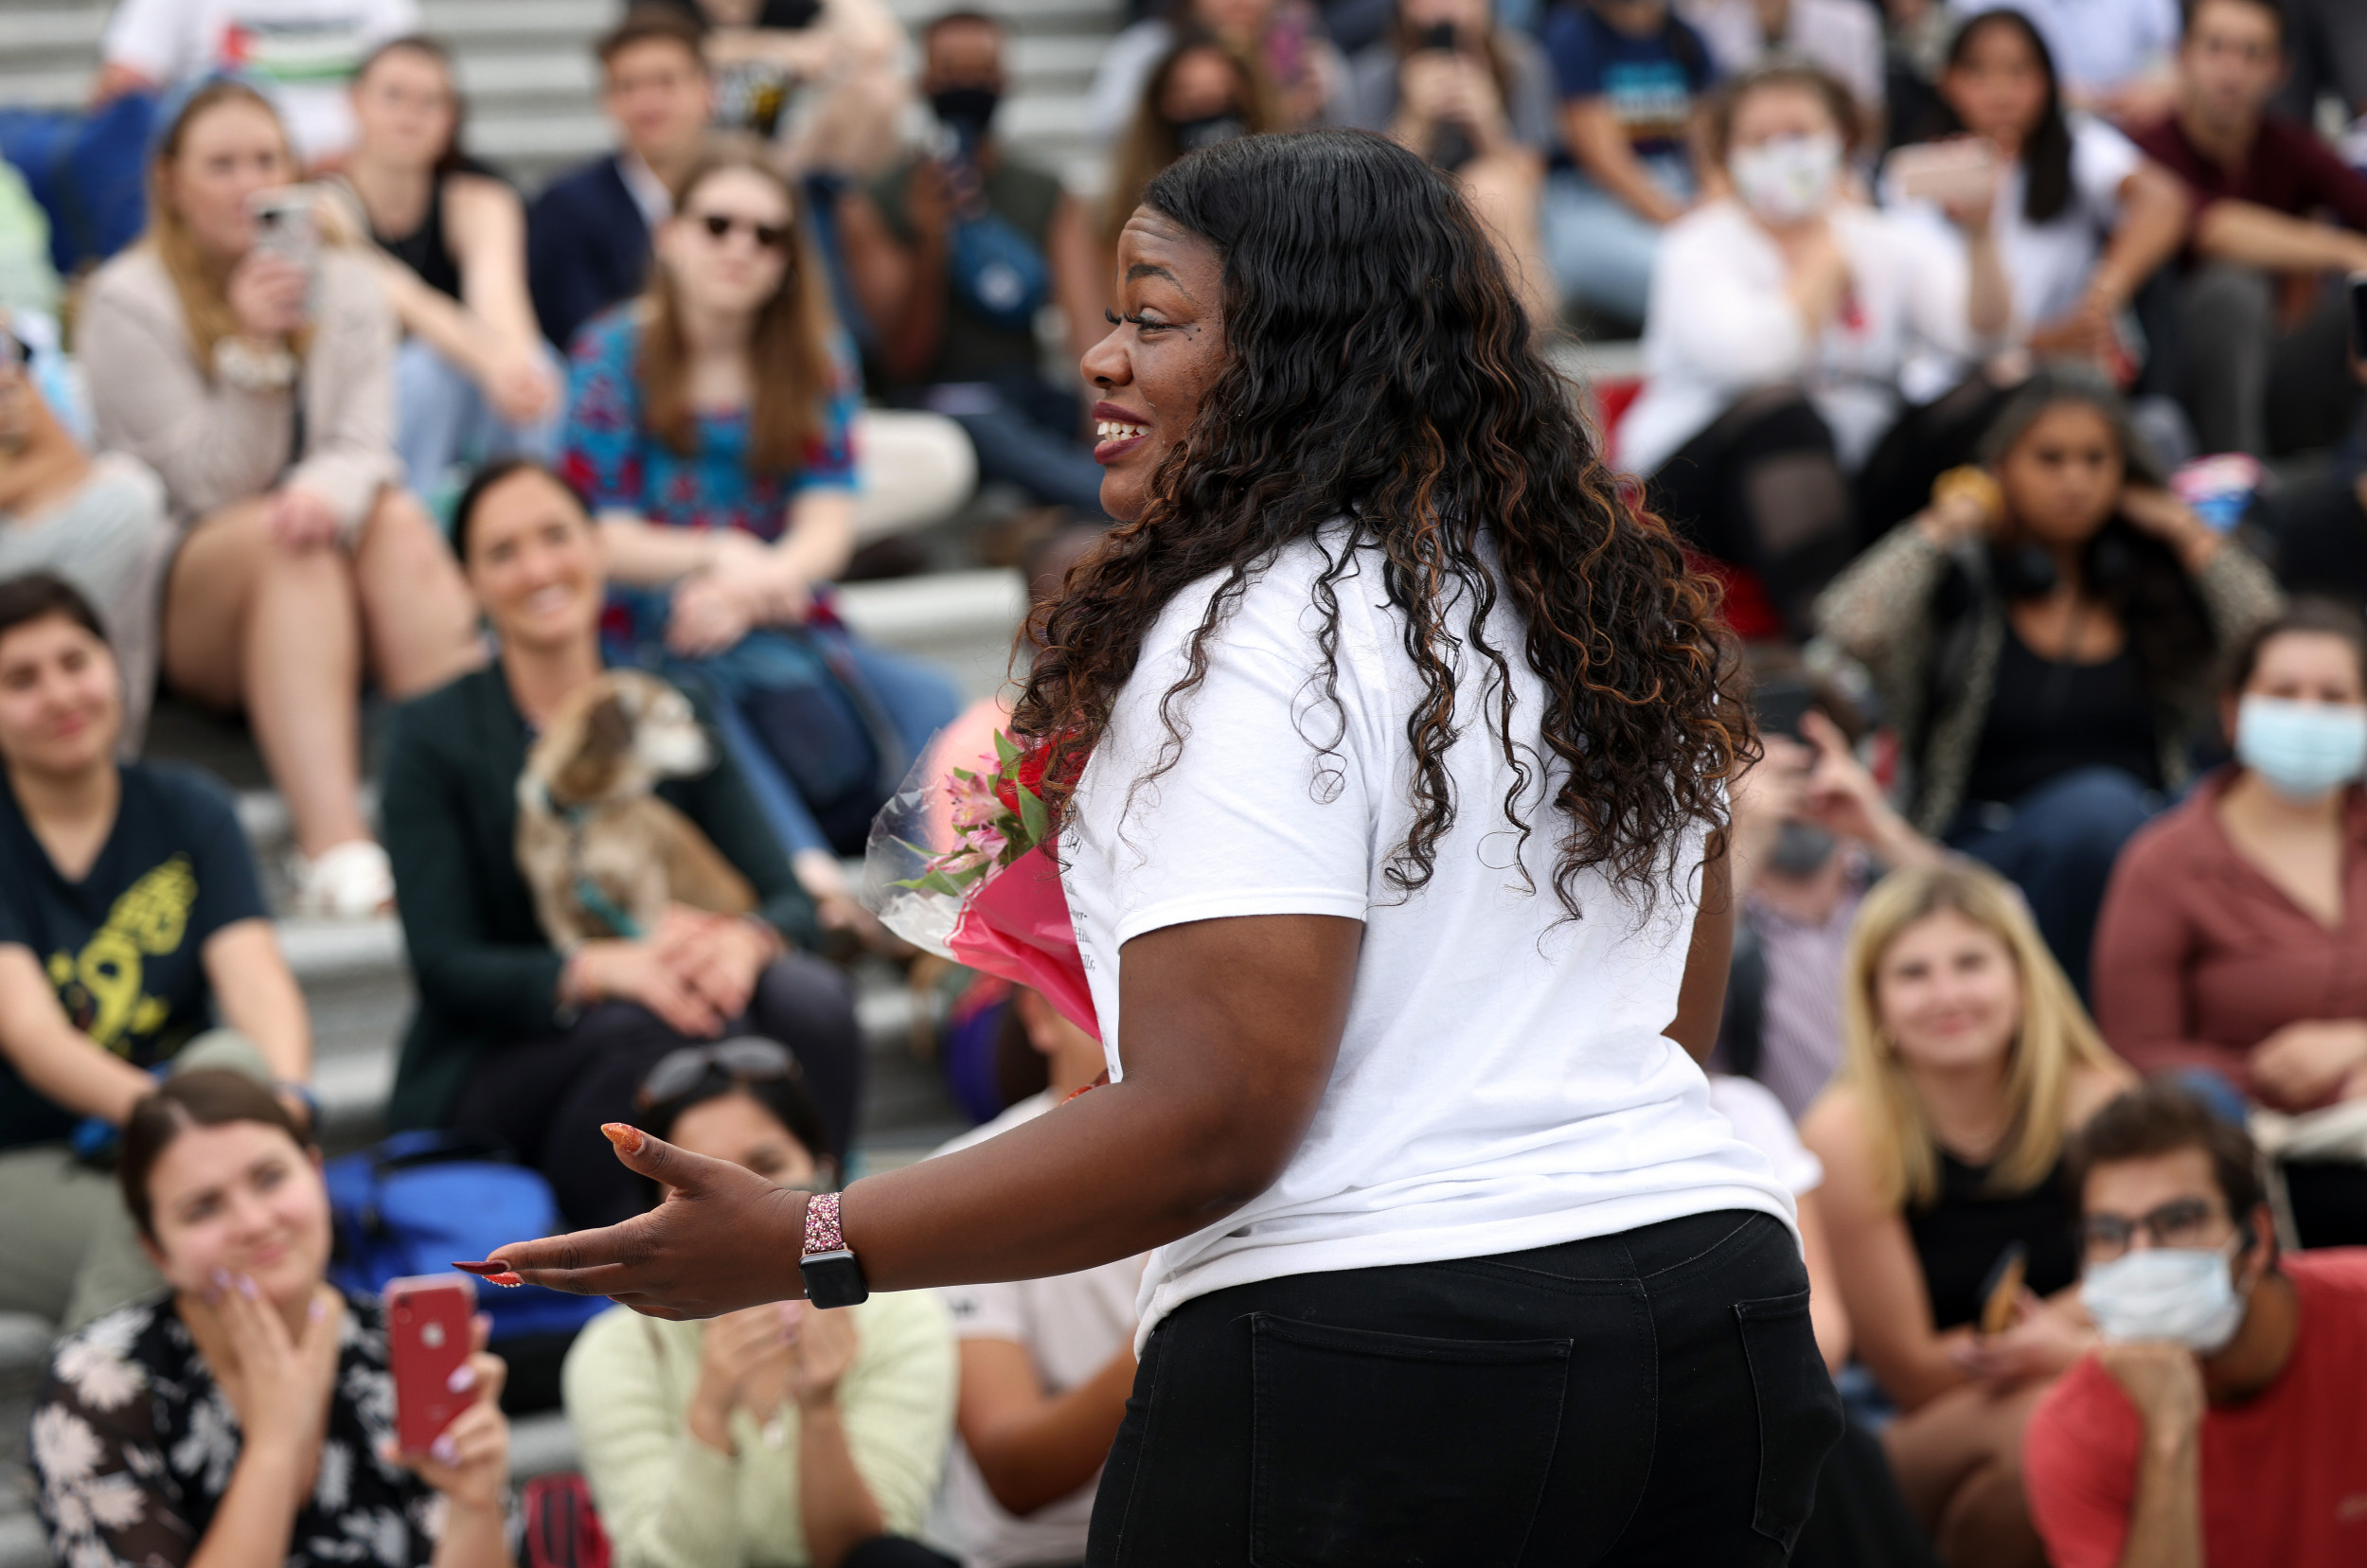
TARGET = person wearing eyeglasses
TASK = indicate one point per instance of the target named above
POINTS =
(779, 1434)
(710, 429)
(2220, 1420)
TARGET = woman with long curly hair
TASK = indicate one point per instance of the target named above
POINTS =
(1395, 853)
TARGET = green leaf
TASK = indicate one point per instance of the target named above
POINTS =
(1006, 753)
(938, 882)
(1031, 813)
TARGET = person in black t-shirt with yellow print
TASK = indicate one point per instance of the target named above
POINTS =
(131, 924)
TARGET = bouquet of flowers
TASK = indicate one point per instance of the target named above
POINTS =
(963, 865)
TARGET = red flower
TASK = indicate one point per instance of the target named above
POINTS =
(1028, 773)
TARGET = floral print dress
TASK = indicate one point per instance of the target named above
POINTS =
(133, 1443)
(612, 458)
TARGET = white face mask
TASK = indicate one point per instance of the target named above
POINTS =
(2303, 750)
(2185, 1294)
(1787, 179)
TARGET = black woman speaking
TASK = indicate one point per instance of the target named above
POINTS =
(1395, 861)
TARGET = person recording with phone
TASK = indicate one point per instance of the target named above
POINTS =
(250, 364)
(1476, 99)
(2082, 221)
(248, 1414)
(951, 255)
(2219, 1421)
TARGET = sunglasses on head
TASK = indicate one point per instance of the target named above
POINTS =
(743, 1060)
(719, 225)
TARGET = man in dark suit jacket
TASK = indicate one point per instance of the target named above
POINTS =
(588, 234)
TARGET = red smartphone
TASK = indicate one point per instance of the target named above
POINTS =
(427, 1340)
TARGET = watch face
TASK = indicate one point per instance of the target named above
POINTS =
(834, 1280)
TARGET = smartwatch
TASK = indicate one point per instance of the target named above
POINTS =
(832, 1277)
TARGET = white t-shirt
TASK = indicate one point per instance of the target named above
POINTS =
(2047, 264)
(1760, 1120)
(1070, 1324)
(302, 52)
(1723, 325)
(1503, 1081)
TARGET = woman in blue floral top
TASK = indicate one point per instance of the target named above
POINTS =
(710, 430)
(247, 1415)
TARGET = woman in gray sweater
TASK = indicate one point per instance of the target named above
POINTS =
(255, 378)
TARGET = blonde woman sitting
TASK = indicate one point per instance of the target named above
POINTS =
(1966, 1061)
(256, 377)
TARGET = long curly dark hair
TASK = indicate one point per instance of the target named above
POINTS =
(1383, 377)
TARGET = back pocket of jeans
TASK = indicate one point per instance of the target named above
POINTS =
(1373, 1450)
(1800, 1415)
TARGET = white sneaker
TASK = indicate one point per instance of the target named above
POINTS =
(353, 881)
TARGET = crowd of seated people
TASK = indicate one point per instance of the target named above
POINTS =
(536, 1046)
(952, 254)
(1933, 302)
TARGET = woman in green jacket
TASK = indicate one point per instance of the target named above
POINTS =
(512, 1038)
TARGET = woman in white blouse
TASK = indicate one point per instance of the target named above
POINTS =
(1782, 320)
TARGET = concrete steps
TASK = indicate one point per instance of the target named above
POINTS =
(526, 69)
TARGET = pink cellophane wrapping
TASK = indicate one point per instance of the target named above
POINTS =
(1015, 924)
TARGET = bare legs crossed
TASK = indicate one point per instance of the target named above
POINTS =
(287, 633)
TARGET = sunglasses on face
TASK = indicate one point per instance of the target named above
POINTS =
(15, 353)
(720, 226)
(2182, 1222)
(743, 1060)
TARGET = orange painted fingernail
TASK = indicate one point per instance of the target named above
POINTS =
(624, 1136)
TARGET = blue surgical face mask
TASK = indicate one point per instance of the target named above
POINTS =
(2303, 750)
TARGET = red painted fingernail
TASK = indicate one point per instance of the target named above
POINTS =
(504, 1279)
(483, 1270)
(624, 1136)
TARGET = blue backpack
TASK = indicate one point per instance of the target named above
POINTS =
(88, 172)
(422, 1200)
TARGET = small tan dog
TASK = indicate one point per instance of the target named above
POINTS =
(602, 853)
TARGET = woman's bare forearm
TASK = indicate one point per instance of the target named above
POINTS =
(1220, 1083)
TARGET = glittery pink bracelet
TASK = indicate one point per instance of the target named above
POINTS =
(821, 1233)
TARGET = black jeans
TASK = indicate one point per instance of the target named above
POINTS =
(546, 1098)
(1650, 1398)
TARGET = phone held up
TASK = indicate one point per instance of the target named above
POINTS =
(287, 224)
(427, 1340)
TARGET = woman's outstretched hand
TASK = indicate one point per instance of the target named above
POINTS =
(724, 1239)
